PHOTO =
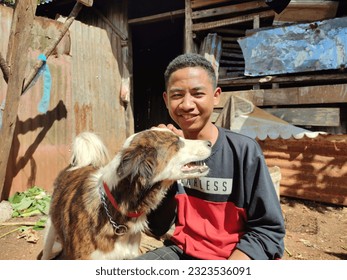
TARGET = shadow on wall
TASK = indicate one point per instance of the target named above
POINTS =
(44, 121)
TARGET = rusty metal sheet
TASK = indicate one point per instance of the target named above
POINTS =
(85, 91)
(313, 169)
(320, 45)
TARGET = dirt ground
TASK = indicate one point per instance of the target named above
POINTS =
(315, 231)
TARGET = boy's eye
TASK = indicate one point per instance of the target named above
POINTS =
(176, 95)
(198, 94)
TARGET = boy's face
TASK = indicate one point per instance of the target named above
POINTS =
(190, 99)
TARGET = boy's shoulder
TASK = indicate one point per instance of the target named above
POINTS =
(237, 137)
(240, 143)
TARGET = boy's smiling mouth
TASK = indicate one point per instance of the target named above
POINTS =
(188, 116)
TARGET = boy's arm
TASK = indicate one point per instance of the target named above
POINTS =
(265, 224)
(238, 255)
(161, 219)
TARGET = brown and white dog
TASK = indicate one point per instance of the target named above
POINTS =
(99, 209)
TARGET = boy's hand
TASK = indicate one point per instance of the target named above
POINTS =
(179, 132)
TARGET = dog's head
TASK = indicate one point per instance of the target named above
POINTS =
(157, 155)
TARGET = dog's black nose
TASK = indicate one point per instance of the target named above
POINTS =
(209, 143)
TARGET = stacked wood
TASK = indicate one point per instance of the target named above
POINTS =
(302, 11)
(313, 100)
(229, 20)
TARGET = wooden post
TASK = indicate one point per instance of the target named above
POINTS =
(22, 22)
(188, 30)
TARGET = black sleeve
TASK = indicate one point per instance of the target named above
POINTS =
(161, 219)
(266, 230)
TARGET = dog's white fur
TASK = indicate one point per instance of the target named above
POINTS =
(88, 149)
(150, 161)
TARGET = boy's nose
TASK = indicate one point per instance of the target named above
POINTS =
(187, 102)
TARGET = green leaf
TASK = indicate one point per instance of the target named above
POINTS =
(16, 198)
(33, 201)
(30, 213)
(23, 204)
(40, 224)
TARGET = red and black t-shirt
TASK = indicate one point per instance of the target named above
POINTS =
(234, 206)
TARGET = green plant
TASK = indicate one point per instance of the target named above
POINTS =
(39, 225)
(34, 201)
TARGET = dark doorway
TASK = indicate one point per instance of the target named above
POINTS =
(154, 46)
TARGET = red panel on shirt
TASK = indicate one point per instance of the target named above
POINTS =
(213, 230)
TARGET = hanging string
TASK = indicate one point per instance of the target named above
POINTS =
(47, 84)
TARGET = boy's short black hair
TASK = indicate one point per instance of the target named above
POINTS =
(190, 60)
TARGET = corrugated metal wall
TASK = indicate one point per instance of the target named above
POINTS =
(86, 83)
(313, 169)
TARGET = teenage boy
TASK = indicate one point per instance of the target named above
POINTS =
(233, 212)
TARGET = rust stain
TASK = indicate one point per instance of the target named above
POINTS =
(83, 117)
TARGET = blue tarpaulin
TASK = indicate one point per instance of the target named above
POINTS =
(297, 48)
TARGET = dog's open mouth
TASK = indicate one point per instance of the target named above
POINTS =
(195, 167)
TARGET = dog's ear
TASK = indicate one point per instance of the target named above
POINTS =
(138, 164)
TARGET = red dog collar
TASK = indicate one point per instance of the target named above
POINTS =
(115, 205)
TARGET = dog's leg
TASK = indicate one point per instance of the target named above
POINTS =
(51, 246)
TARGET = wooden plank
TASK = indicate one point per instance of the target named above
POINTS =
(283, 79)
(115, 29)
(234, 74)
(232, 62)
(235, 8)
(22, 22)
(203, 3)
(230, 39)
(232, 55)
(307, 12)
(158, 17)
(232, 46)
(230, 21)
(256, 21)
(87, 3)
(237, 32)
(292, 96)
(307, 116)
(233, 68)
(188, 30)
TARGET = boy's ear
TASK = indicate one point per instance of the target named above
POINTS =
(165, 97)
(216, 95)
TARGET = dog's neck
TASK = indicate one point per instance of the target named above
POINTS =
(115, 204)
